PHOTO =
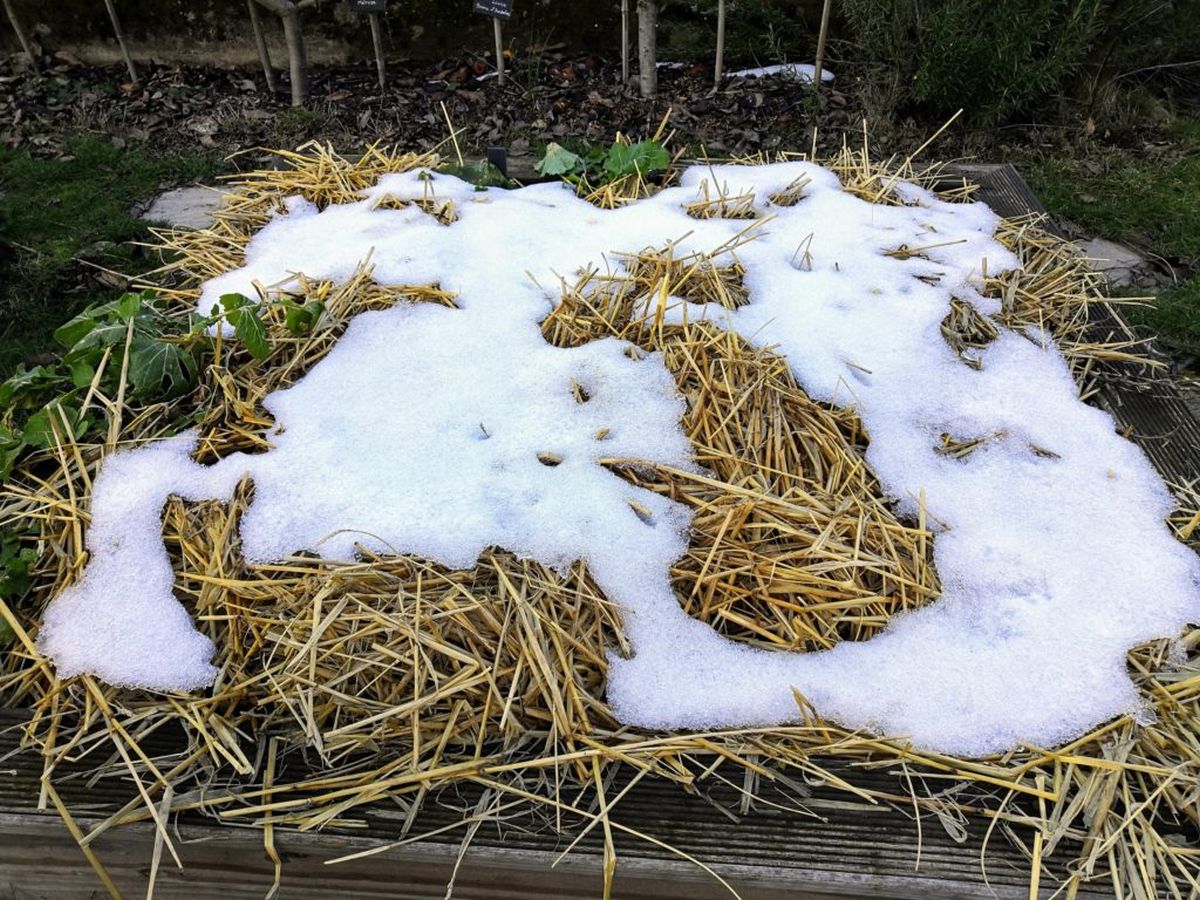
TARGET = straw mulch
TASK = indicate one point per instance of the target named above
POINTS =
(394, 677)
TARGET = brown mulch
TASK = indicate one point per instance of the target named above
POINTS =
(550, 96)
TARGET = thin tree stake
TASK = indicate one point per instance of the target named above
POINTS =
(819, 63)
(117, 30)
(260, 41)
(377, 40)
(498, 31)
(719, 65)
(23, 37)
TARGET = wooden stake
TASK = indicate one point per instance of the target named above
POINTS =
(377, 40)
(824, 33)
(719, 66)
(647, 11)
(499, 31)
(260, 41)
(116, 24)
(624, 41)
(26, 44)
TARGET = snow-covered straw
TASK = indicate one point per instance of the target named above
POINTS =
(438, 431)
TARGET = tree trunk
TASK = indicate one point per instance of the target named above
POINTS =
(260, 41)
(26, 44)
(289, 14)
(117, 30)
(648, 47)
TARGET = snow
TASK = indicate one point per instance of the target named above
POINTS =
(802, 72)
(422, 433)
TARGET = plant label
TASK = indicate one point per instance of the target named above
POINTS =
(501, 9)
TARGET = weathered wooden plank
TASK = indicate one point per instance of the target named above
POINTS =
(825, 847)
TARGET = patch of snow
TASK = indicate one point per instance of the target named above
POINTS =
(420, 433)
(802, 72)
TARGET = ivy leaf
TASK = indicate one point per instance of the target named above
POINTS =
(74, 331)
(159, 368)
(558, 160)
(40, 427)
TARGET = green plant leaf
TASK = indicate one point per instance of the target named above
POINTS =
(558, 160)
(246, 318)
(74, 331)
(82, 373)
(127, 306)
(302, 319)
(11, 448)
(39, 428)
(159, 368)
(643, 157)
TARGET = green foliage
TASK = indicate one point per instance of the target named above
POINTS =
(558, 160)
(1174, 316)
(131, 337)
(55, 211)
(601, 165)
(997, 59)
(160, 366)
(481, 174)
(1128, 196)
(1147, 202)
(641, 158)
(16, 559)
(301, 319)
(246, 318)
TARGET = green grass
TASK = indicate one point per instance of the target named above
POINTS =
(1175, 316)
(1152, 204)
(53, 212)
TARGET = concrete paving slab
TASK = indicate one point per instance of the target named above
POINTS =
(1120, 265)
(188, 207)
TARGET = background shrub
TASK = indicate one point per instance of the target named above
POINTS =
(996, 58)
